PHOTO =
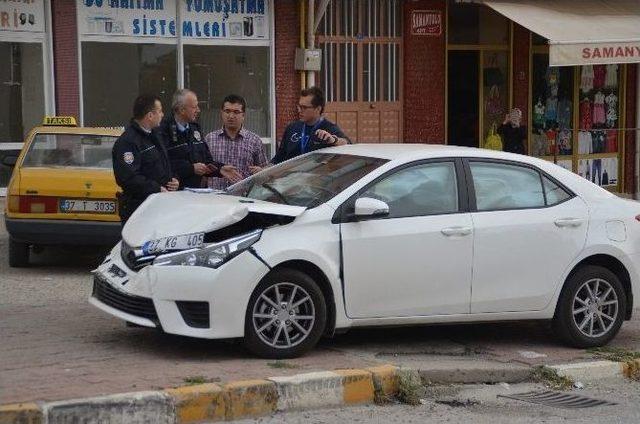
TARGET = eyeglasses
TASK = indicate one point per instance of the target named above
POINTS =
(305, 107)
(232, 112)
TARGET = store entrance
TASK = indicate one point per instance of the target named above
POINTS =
(464, 98)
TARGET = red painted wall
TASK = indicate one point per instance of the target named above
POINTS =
(630, 136)
(520, 70)
(65, 57)
(424, 87)
(287, 79)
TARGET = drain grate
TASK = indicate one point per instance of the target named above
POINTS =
(559, 400)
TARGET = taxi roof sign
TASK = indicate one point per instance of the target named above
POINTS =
(62, 121)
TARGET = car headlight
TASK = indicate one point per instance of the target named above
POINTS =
(212, 255)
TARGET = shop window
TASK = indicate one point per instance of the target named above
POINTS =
(495, 89)
(552, 108)
(213, 72)
(110, 86)
(598, 122)
(21, 89)
(474, 24)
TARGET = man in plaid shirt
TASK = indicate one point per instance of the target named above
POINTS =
(234, 145)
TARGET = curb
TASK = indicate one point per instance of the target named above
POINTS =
(256, 398)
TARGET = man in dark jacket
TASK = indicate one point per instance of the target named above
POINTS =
(189, 155)
(140, 161)
(312, 131)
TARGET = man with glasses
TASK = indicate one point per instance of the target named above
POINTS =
(188, 153)
(312, 131)
(233, 144)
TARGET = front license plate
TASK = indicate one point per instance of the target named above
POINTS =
(183, 242)
(87, 206)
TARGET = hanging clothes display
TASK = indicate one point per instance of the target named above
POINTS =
(611, 80)
(585, 114)
(551, 109)
(612, 141)
(612, 109)
(599, 72)
(599, 116)
(564, 113)
(586, 79)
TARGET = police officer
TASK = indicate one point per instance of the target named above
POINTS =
(188, 153)
(312, 132)
(140, 162)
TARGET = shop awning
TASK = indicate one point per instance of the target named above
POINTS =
(580, 32)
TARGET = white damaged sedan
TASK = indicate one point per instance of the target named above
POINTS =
(378, 235)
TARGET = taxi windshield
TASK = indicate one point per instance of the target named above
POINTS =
(308, 180)
(70, 150)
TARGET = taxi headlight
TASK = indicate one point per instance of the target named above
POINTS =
(212, 255)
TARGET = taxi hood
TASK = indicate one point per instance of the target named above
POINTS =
(184, 212)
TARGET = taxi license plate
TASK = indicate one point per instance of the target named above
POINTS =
(183, 242)
(87, 206)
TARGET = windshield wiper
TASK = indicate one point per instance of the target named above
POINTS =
(275, 191)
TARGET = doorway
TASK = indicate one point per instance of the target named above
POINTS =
(464, 98)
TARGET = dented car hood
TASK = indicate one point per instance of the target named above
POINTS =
(183, 212)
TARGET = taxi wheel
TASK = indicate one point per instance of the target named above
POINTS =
(18, 254)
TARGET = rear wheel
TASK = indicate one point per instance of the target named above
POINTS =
(18, 254)
(591, 307)
(286, 315)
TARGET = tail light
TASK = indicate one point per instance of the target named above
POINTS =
(38, 204)
(638, 218)
(13, 203)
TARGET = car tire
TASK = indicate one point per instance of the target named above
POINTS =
(290, 327)
(18, 254)
(591, 307)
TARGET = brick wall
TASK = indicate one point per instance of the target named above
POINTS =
(287, 79)
(65, 57)
(424, 78)
(630, 136)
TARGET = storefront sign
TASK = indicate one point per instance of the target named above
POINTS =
(230, 19)
(22, 15)
(426, 22)
(138, 18)
(234, 19)
(592, 54)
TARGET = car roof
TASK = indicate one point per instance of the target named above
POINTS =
(50, 129)
(415, 151)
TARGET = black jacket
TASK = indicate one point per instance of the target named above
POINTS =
(291, 146)
(140, 165)
(513, 138)
(185, 149)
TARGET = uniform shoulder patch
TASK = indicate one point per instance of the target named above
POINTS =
(197, 136)
(128, 157)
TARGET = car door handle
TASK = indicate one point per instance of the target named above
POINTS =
(456, 231)
(569, 222)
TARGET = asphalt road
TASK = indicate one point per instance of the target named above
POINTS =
(57, 346)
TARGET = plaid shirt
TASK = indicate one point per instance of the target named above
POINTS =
(245, 151)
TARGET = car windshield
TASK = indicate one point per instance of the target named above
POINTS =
(70, 150)
(308, 180)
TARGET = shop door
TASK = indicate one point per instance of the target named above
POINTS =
(361, 42)
(464, 98)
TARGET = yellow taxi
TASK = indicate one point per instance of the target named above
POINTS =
(62, 190)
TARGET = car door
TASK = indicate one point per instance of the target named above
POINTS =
(416, 260)
(527, 230)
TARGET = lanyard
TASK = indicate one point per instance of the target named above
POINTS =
(304, 138)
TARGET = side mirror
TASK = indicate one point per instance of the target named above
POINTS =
(10, 160)
(368, 207)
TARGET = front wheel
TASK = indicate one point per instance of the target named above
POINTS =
(591, 307)
(286, 315)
